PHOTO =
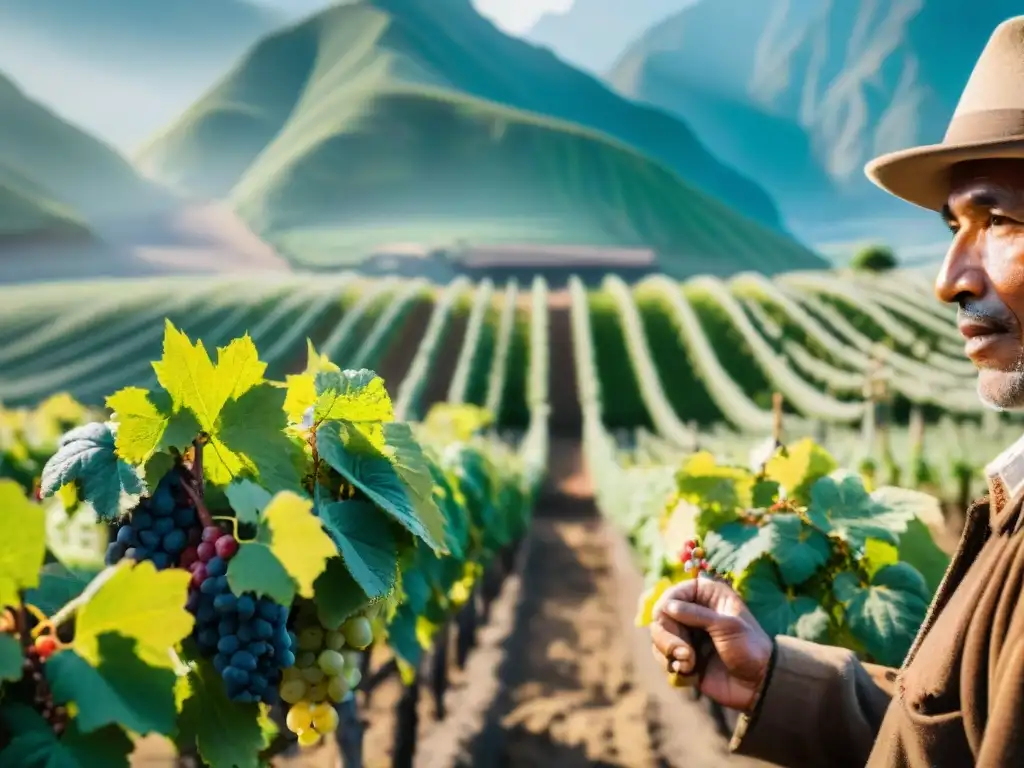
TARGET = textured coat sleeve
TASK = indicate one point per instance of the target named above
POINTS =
(821, 706)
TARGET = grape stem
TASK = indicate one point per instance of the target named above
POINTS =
(71, 608)
(194, 485)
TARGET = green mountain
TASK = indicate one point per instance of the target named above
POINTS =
(53, 176)
(123, 68)
(799, 94)
(396, 120)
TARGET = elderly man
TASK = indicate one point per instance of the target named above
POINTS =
(958, 700)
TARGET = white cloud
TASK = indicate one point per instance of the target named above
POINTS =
(518, 16)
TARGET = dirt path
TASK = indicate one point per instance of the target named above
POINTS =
(445, 361)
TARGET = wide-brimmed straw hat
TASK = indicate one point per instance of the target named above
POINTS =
(988, 123)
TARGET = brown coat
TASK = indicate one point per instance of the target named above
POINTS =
(957, 701)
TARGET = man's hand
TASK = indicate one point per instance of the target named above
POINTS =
(742, 650)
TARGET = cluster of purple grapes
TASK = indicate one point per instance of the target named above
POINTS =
(161, 528)
(247, 636)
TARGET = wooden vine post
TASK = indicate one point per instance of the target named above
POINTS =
(439, 669)
(407, 722)
(465, 638)
(777, 419)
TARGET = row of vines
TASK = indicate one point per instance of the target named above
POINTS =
(257, 538)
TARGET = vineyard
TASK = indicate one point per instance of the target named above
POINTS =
(338, 492)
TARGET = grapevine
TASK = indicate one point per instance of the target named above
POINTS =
(263, 537)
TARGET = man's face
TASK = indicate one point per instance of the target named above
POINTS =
(984, 274)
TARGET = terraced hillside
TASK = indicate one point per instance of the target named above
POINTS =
(383, 120)
(681, 362)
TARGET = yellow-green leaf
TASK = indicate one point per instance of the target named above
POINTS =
(797, 467)
(137, 602)
(649, 599)
(140, 424)
(189, 376)
(289, 535)
(238, 368)
(22, 544)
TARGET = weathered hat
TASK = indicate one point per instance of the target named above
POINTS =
(988, 123)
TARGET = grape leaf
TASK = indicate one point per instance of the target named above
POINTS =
(777, 612)
(11, 658)
(337, 594)
(194, 383)
(402, 637)
(798, 467)
(301, 388)
(735, 546)
(137, 602)
(841, 505)
(877, 555)
(58, 585)
(34, 744)
(385, 484)
(248, 500)
(227, 733)
(121, 690)
(23, 543)
(87, 455)
(366, 541)
(799, 550)
(918, 548)
(250, 439)
(413, 467)
(649, 599)
(289, 552)
(765, 493)
(886, 614)
(720, 491)
(140, 424)
(357, 398)
(416, 589)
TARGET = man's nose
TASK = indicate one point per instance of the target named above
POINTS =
(962, 273)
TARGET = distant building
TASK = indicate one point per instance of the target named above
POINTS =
(408, 260)
(556, 263)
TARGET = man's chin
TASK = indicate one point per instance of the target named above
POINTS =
(1000, 390)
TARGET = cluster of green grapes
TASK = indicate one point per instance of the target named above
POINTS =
(327, 668)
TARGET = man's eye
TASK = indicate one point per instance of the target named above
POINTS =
(995, 220)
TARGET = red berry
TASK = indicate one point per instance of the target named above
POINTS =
(704, 565)
(212, 533)
(685, 556)
(45, 646)
(198, 575)
(226, 547)
(206, 551)
(189, 556)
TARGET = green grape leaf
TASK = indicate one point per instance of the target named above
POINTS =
(366, 540)
(88, 455)
(735, 546)
(227, 733)
(337, 594)
(416, 589)
(385, 484)
(877, 555)
(719, 491)
(137, 602)
(357, 398)
(402, 637)
(918, 548)
(23, 543)
(842, 506)
(799, 550)
(886, 614)
(11, 658)
(798, 467)
(58, 585)
(413, 466)
(34, 744)
(779, 613)
(248, 500)
(250, 440)
(765, 493)
(289, 552)
(121, 690)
